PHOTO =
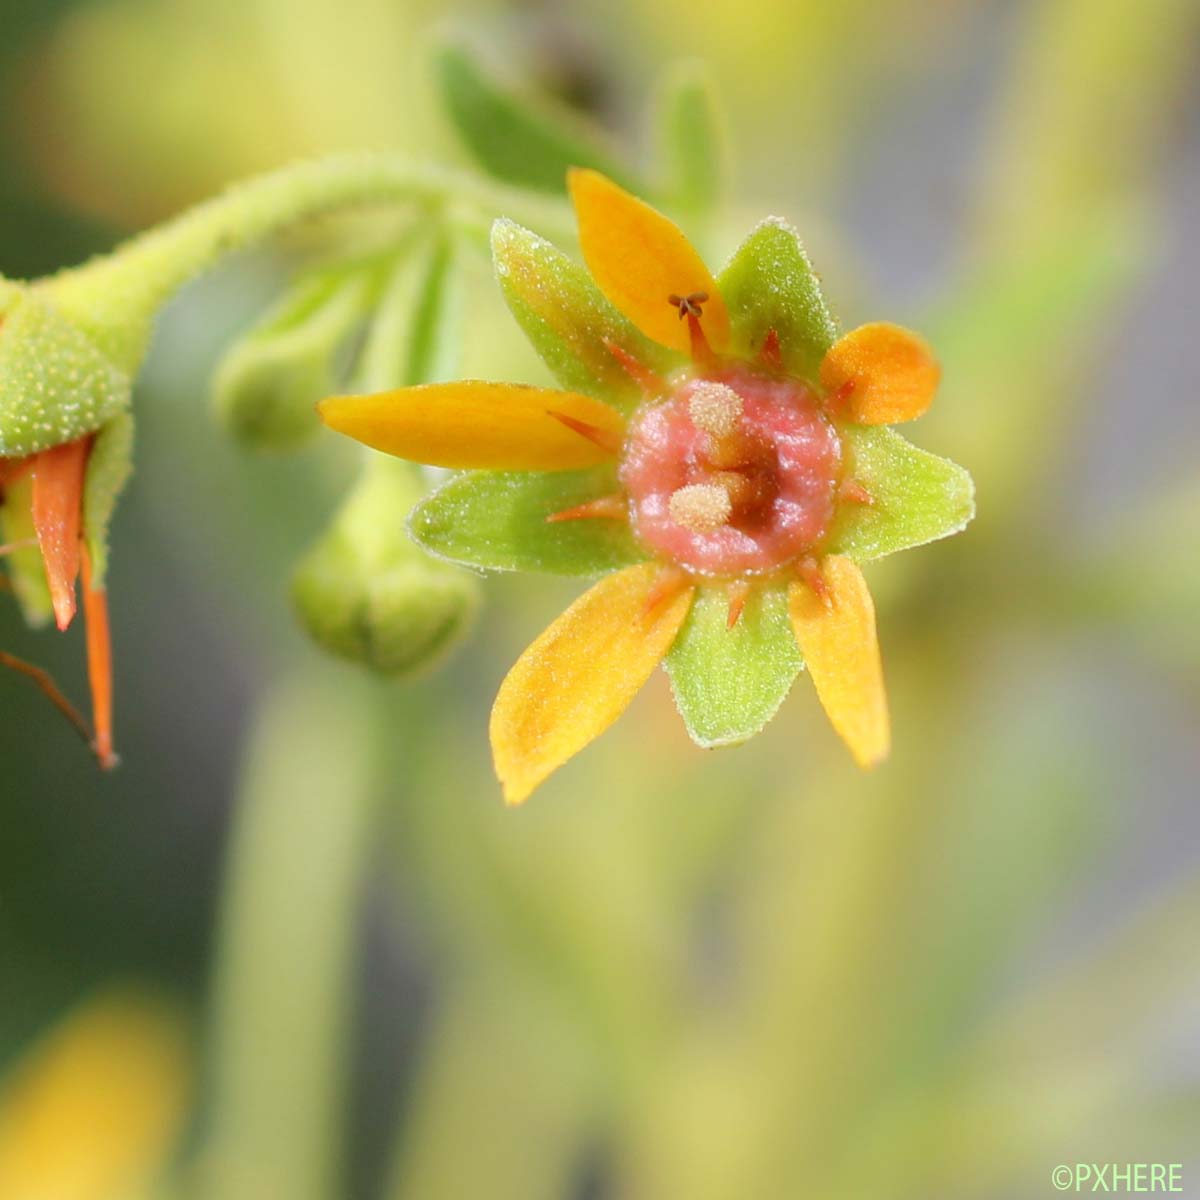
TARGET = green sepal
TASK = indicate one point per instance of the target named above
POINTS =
(269, 380)
(770, 284)
(518, 139)
(728, 683)
(568, 320)
(693, 140)
(56, 385)
(365, 593)
(917, 496)
(497, 520)
(109, 467)
(26, 570)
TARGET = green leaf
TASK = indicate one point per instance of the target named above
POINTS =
(497, 520)
(918, 497)
(109, 467)
(517, 139)
(729, 683)
(693, 140)
(770, 284)
(568, 320)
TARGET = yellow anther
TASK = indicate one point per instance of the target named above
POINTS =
(701, 507)
(715, 408)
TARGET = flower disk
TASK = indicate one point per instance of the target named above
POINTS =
(733, 476)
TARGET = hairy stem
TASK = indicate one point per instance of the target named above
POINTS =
(114, 298)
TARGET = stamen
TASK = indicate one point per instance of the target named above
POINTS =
(606, 440)
(689, 306)
(608, 508)
(49, 689)
(671, 581)
(651, 383)
(700, 507)
(809, 571)
(854, 490)
(702, 354)
(739, 593)
(771, 355)
(836, 401)
(715, 408)
(99, 656)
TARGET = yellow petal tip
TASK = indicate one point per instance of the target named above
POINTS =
(881, 374)
(639, 257)
(841, 649)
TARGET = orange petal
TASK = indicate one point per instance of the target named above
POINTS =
(99, 657)
(882, 374)
(837, 638)
(580, 675)
(638, 258)
(57, 507)
(502, 426)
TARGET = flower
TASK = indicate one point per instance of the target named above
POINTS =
(66, 439)
(722, 453)
(45, 496)
(93, 1108)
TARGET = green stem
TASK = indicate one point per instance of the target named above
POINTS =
(288, 940)
(116, 297)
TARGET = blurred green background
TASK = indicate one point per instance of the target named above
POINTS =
(295, 949)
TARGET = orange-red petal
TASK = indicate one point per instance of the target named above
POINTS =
(639, 258)
(880, 374)
(837, 637)
(472, 424)
(99, 658)
(57, 511)
(578, 677)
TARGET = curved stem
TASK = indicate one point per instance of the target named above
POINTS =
(115, 298)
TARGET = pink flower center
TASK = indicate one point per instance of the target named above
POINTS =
(735, 474)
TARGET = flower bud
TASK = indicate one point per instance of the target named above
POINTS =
(56, 385)
(270, 378)
(365, 592)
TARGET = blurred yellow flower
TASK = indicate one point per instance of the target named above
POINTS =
(93, 1109)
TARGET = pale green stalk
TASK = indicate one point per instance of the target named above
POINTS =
(287, 945)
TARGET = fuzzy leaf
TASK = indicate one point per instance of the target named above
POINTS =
(918, 497)
(770, 284)
(568, 320)
(692, 139)
(729, 683)
(517, 139)
(497, 520)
